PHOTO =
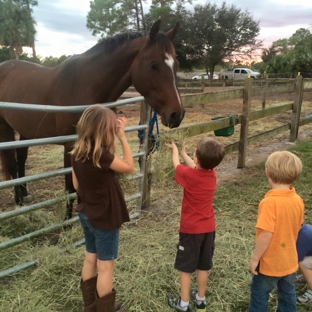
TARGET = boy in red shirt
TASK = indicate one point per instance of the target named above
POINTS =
(197, 224)
(274, 261)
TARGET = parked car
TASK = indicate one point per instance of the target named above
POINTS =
(239, 73)
(206, 76)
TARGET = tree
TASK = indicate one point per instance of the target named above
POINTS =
(184, 50)
(222, 33)
(54, 61)
(4, 54)
(290, 55)
(17, 26)
(107, 17)
(29, 4)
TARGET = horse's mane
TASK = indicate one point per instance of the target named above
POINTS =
(109, 44)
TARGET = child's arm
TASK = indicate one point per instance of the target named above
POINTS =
(75, 181)
(175, 154)
(126, 164)
(262, 244)
(188, 160)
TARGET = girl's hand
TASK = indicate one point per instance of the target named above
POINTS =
(121, 124)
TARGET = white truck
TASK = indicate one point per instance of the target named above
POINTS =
(239, 73)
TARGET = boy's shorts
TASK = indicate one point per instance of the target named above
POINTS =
(102, 242)
(307, 262)
(195, 252)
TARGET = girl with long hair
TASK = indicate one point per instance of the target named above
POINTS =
(101, 205)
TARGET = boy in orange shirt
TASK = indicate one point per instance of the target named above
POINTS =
(274, 261)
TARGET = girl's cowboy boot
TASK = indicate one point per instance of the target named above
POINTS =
(108, 304)
(88, 289)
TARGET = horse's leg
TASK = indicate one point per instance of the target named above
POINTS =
(8, 160)
(21, 154)
(69, 186)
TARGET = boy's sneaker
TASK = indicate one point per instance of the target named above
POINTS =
(200, 304)
(174, 303)
(306, 297)
(299, 279)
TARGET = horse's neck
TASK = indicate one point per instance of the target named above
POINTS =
(111, 72)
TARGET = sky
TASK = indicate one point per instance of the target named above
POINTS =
(61, 24)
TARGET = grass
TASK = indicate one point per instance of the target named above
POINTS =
(144, 274)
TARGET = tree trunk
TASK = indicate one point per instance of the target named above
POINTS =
(33, 41)
(142, 16)
(34, 50)
(137, 16)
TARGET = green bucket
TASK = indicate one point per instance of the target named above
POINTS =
(228, 131)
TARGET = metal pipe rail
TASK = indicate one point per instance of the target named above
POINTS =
(55, 140)
(49, 174)
(59, 140)
(64, 109)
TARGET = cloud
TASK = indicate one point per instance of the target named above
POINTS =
(61, 24)
(61, 28)
(62, 18)
(273, 13)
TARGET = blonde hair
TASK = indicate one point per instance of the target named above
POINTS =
(96, 130)
(283, 167)
(209, 153)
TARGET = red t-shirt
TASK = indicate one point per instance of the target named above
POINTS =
(197, 215)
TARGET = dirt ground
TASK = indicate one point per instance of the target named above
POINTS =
(48, 158)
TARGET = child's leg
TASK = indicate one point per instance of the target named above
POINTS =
(260, 288)
(185, 285)
(286, 294)
(89, 266)
(202, 278)
(105, 277)
(306, 269)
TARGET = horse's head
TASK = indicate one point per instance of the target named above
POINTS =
(153, 74)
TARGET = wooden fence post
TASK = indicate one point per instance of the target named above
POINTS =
(148, 164)
(202, 84)
(266, 83)
(243, 140)
(295, 118)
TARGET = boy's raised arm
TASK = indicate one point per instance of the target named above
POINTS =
(187, 159)
(175, 153)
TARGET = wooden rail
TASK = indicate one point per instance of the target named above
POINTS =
(246, 116)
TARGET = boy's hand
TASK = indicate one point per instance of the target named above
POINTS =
(253, 264)
(171, 145)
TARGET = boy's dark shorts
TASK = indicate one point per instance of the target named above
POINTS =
(195, 252)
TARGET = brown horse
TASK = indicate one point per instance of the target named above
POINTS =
(98, 75)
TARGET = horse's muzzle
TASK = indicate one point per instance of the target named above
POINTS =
(174, 119)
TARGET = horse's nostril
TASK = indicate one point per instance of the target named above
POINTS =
(175, 119)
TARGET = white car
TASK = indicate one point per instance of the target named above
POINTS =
(206, 76)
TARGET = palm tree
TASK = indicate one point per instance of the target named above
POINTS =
(29, 4)
(17, 26)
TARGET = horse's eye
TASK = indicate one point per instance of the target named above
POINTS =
(153, 65)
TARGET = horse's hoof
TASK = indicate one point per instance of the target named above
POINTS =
(27, 199)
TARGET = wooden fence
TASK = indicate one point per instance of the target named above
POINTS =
(245, 117)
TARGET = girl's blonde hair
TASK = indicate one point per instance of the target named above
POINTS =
(96, 129)
(283, 167)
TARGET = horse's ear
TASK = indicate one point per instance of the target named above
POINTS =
(172, 32)
(155, 30)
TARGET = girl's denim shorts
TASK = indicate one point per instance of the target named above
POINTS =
(102, 242)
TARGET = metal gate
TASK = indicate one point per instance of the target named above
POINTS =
(58, 140)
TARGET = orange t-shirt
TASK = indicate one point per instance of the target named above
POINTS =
(281, 213)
